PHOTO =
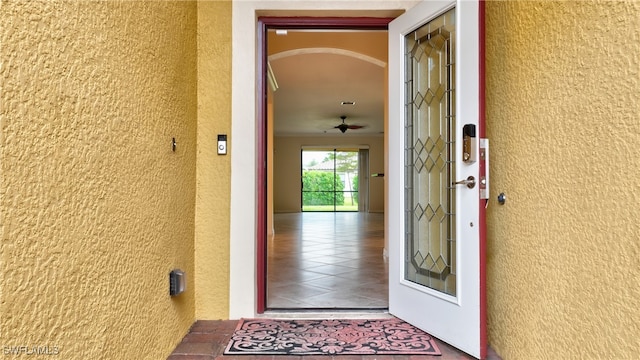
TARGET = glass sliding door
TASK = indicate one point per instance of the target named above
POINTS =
(330, 180)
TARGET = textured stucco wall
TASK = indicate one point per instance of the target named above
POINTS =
(563, 108)
(96, 209)
(214, 181)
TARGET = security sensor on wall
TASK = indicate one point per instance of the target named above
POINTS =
(177, 282)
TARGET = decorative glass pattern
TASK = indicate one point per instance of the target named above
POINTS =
(430, 238)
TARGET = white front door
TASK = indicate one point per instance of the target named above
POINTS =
(435, 221)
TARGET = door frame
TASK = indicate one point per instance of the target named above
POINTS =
(264, 22)
(241, 274)
(242, 271)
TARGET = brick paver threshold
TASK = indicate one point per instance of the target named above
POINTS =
(207, 339)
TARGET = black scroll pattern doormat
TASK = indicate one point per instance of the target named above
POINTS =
(329, 337)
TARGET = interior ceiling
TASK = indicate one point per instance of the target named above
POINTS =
(318, 70)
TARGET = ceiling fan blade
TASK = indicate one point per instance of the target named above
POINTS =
(355, 126)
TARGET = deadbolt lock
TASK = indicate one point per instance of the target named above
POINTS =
(470, 182)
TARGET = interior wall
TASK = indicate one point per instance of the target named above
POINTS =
(563, 80)
(287, 159)
(95, 207)
(270, 207)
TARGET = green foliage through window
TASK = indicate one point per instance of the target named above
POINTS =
(321, 188)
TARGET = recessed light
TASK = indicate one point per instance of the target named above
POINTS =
(348, 103)
(281, 32)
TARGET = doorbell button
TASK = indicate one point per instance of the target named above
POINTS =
(222, 144)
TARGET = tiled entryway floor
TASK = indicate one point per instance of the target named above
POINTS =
(326, 260)
(208, 339)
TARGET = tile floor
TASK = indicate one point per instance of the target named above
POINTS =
(320, 260)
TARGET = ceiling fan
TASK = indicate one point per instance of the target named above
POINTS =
(344, 127)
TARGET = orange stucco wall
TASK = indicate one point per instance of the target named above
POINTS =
(95, 207)
(563, 85)
(213, 171)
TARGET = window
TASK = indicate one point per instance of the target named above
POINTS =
(330, 180)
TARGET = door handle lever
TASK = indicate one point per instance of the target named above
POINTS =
(470, 182)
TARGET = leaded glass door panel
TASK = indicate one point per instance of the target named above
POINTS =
(429, 154)
(434, 219)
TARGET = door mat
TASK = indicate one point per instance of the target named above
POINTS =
(329, 337)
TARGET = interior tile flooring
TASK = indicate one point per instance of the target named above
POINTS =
(326, 260)
(317, 264)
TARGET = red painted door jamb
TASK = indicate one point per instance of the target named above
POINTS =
(264, 23)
